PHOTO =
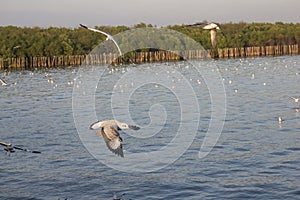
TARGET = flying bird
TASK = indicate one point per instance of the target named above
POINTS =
(108, 36)
(213, 27)
(109, 131)
(11, 149)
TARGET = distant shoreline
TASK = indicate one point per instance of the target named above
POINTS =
(53, 41)
(21, 63)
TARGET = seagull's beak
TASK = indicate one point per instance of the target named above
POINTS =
(95, 125)
(133, 127)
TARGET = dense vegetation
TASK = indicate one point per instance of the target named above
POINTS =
(36, 41)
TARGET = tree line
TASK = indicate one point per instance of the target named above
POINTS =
(54, 41)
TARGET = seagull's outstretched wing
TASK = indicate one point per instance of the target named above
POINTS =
(211, 26)
(95, 125)
(204, 23)
(113, 140)
(22, 149)
(197, 24)
(4, 144)
(106, 34)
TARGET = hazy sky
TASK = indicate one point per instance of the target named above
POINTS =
(69, 13)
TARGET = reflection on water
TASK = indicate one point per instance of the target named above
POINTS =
(255, 157)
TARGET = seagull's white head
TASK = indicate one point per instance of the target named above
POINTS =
(122, 126)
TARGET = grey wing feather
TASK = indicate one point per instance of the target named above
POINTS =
(4, 144)
(113, 140)
(22, 149)
(196, 24)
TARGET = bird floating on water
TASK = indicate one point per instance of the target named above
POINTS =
(280, 120)
(108, 36)
(109, 131)
(11, 149)
(116, 197)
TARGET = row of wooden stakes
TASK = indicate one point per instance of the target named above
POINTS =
(143, 57)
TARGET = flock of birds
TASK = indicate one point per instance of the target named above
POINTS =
(108, 129)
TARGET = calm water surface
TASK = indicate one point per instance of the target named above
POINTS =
(254, 158)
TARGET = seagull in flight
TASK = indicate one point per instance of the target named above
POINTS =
(213, 27)
(108, 36)
(109, 131)
(11, 149)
